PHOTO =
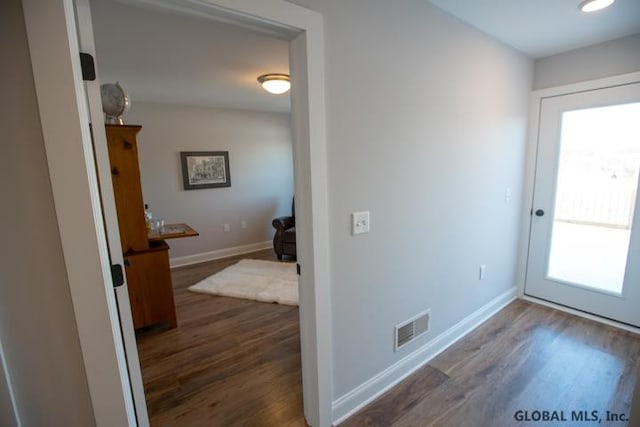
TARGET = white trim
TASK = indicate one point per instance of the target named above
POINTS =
(7, 381)
(310, 154)
(356, 399)
(52, 37)
(583, 314)
(101, 153)
(531, 155)
(182, 261)
(587, 85)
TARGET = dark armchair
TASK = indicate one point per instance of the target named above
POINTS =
(284, 239)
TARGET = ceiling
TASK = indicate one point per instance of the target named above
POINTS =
(168, 57)
(540, 28)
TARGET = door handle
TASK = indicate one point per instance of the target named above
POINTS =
(539, 212)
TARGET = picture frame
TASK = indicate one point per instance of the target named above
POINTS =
(205, 169)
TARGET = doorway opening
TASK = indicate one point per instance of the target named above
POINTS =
(193, 85)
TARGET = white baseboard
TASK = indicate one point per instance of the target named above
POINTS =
(356, 399)
(217, 254)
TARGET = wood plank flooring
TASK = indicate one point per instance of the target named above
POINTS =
(526, 358)
(237, 362)
(230, 361)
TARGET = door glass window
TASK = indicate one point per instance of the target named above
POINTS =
(595, 196)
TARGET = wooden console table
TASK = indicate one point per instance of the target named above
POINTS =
(172, 231)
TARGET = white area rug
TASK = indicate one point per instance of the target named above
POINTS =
(259, 280)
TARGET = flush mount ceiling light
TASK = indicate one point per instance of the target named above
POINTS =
(593, 5)
(275, 83)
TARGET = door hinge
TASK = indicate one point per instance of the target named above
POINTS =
(88, 67)
(117, 275)
(298, 269)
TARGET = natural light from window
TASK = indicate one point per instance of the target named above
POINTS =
(595, 196)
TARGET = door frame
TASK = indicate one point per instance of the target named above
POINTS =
(535, 105)
(52, 37)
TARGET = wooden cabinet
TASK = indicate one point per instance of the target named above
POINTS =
(150, 287)
(146, 263)
(127, 187)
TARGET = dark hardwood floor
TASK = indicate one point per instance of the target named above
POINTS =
(237, 362)
(526, 358)
(230, 361)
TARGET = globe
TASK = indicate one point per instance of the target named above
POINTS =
(115, 102)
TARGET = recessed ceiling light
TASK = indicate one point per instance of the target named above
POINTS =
(593, 5)
(275, 83)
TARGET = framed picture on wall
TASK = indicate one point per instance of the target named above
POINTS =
(205, 169)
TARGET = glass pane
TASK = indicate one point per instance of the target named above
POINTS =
(595, 196)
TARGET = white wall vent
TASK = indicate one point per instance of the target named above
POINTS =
(412, 328)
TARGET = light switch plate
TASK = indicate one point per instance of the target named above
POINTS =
(507, 195)
(359, 222)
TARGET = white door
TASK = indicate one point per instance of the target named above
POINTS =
(584, 249)
(87, 45)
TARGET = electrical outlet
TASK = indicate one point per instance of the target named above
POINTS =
(227, 228)
(243, 224)
(483, 272)
(359, 222)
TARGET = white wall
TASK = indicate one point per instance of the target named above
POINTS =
(261, 166)
(426, 128)
(592, 62)
(37, 325)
